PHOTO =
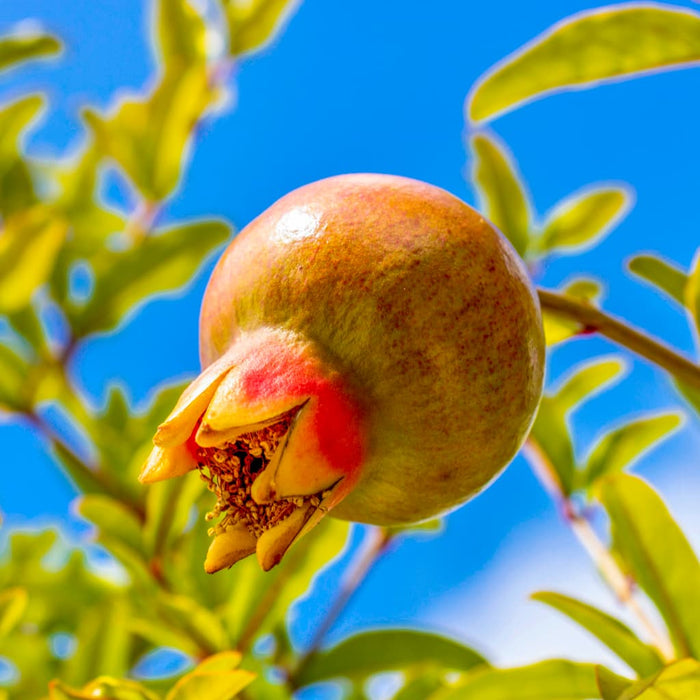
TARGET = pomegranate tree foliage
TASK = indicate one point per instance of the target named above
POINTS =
(68, 631)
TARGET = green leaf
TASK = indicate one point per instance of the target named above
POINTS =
(181, 32)
(28, 248)
(13, 603)
(423, 686)
(658, 555)
(253, 24)
(580, 221)
(18, 48)
(621, 447)
(679, 681)
(114, 519)
(225, 661)
(368, 653)
(666, 276)
(502, 195)
(103, 687)
(160, 263)
(213, 685)
(610, 685)
(587, 48)
(201, 624)
(547, 680)
(689, 393)
(557, 329)
(588, 379)
(692, 292)
(616, 636)
(13, 373)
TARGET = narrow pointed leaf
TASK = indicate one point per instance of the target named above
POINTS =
(692, 292)
(13, 374)
(114, 519)
(621, 447)
(13, 603)
(253, 24)
(610, 685)
(580, 221)
(181, 32)
(679, 681)
(557, 329)
(213, 685)
(658, 555)
(588, 48)
(587, 380)
(161, 263)
(665, 276)
(19, 48)
(547, 680)
(614, 634)
(502, 195)
(368, 653)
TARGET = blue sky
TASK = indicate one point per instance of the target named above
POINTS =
(380, 86)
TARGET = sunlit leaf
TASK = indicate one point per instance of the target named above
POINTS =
(160, 263)
(679, 681)
(580, 221)
(502, 195)
(692, 292)
(13, 603)
(621, 447)
(16, 186)
(28, 247)
(181, 32)
(587, 48)
(616, 636)
(424, 685)
(225, 661)
(368, 653)
(689, 393)
(253, 23)
(558, 329)
(213, 685)
(203, 625)
(18, 48)
(114, 519)
(666, 276)
(547, 680)
(588, 379)
(13, 372)
(103, 687)
(658, 555)
(610, 685)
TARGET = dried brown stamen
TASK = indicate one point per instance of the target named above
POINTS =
(229, 471)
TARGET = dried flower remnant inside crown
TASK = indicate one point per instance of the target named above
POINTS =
(229, 471)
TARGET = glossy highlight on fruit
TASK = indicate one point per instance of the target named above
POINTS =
(372, 349)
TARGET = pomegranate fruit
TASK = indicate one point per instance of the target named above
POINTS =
(373, 350)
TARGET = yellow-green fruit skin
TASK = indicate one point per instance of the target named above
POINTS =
(424, 309)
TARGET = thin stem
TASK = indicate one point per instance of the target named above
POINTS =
(593, 319)
(620, 584)
(376, 544)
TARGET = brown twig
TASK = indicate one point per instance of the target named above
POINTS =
(593, 319)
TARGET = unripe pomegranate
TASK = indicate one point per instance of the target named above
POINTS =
(373, 350)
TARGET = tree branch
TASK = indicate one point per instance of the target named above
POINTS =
(593, 319)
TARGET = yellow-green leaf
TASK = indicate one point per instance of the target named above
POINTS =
(558, 329)
(13, 375)
(658, 555)
(666, 276)
(692, 292)
(588, 379)
(610, 685)
(587, 48)
(368, 653)
(29, 244)
(253, 23)
(548, 680)
(619, 638)
(621, 447)
(103, 687)
(502, 195)
(13, 603)
(212, 685)
(159, 263)
(678, 681)
(580, 221)
(114, 519)
(181, 32)
(18, 48)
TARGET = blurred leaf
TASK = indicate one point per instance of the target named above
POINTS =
(502, 195)
(202, 625)
(149, 138)
(13, 372)
(692, 292)
(610, 685)
(658, 555)
(18, 48)
(158, 264)
(181, 32)
(368, 653)
(623, 446)
(13, 603)
(16, 187)
(210, 684)
(225, 661)
(619, 638)
(107, 688)
(689, 393)
(29, 244)
(547, 680)
(666, 276)
(113, 518)
(585, 49)
(588, 379)
(558, 329)
(253, 23)
(580, 221)
(420, 687)
(679, 681)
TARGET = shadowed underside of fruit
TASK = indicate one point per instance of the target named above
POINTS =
(373, 349)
